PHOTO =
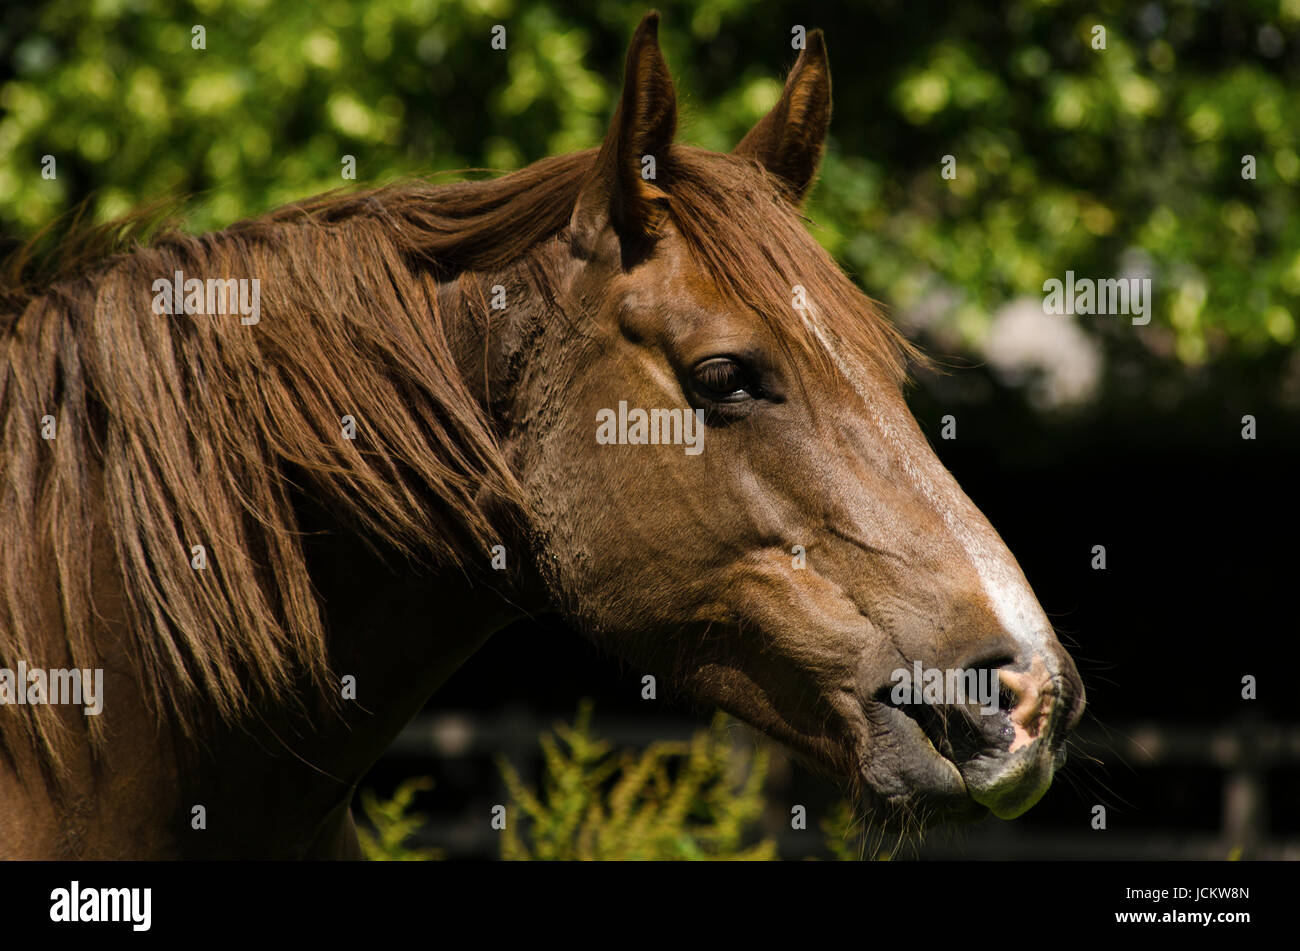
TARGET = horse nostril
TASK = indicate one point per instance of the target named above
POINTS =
(1041, 700)
(1028, 699)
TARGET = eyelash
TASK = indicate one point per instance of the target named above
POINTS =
(735, 379)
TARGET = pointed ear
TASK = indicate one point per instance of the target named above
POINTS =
(616, 192)
(789, 139)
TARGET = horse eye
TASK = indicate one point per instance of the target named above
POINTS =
(723, 380)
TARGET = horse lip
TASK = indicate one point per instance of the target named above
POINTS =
(924, 717)
(1018, 781)
(903, 725)
(1006, 784)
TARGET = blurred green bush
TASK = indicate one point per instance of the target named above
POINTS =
(694, 800)
(391, 823)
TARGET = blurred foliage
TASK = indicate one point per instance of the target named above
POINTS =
(837, 828)
(671, 801)
(1111, 162)
(390, 823)
(693, 800)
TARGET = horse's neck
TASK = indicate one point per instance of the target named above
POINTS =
(277, 783)
(398, 631)
(395, 633)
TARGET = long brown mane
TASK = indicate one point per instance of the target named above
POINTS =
(176, 431)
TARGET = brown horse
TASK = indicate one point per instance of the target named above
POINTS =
(625, 385)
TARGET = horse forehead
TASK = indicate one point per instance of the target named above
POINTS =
(670, 293)
(671, 276)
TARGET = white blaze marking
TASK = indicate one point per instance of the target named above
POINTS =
(1014, 604)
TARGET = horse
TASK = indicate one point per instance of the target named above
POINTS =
(276, 530)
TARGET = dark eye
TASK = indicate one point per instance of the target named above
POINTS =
(723, 380)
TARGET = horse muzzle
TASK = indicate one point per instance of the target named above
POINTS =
(962, 757)
(1024, 744)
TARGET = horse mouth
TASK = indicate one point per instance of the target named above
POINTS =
(929, 764)
(980, 769)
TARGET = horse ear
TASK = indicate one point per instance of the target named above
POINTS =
(620, 190)
(789, 140)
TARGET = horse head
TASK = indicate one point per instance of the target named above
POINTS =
(727, 487)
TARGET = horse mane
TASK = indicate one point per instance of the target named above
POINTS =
(176, 431)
